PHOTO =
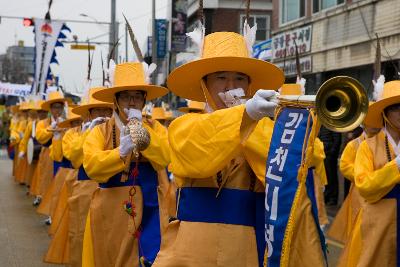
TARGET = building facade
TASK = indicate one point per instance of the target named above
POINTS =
(336, 37)
(17, 64)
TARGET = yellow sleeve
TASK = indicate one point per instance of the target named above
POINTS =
(158, 150)
(14, 135)
(256, 147)
(347, 160)
(21, 128)
(69, 137)
(56, 150)
(100, 164)
(42, 135)
(76, 152)
(24, 142)
(373, 184)
(203, 144)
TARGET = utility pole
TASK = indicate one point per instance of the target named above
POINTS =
(113, 30)
(154, 41)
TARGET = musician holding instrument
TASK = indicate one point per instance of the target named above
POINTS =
(218, 158)
(125, 155)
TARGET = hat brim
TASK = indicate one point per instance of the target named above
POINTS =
(84, 109)
(184, 81)
(67, 123)
(188, 110)
(374, 116)
(46, 105)
(152, 91)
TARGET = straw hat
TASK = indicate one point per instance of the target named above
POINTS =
(53, 97)
(130, 76)
(70, 118)
(290, 89)
(223, 51)
(84, 108)
(193, 106)
(390, 96)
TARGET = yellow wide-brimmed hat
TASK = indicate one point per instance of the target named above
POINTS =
(130, 76)
(290, 89)
(92, 102)
(169, 115)
(23, 106)
(390, 96)
(70, 118)
(223, 51)
(53, 97)
(193, 106)
(14, 109)
(158, 113)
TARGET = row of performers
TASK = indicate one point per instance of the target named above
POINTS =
(111, 200)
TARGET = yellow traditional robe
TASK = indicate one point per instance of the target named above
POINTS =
(373, 239)
(109, 235)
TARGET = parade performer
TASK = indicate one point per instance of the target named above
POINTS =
(218, 159)
(45, 134)
(342, 226)
(17, 133)
(374, 238)
(96, 112)
(123, 223)
(28, 169)
(58, 251)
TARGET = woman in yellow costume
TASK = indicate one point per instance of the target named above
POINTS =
(17, 134)
(219, 159)
(35, 111)
(58, 251)
(374, 240)
(96, 112)
(114, 236)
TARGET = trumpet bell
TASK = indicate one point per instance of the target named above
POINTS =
(341, 104)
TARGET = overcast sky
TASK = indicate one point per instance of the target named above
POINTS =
(73, 63)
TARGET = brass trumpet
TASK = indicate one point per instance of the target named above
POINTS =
(341, 103)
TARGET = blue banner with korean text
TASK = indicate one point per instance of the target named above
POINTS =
(291, 128)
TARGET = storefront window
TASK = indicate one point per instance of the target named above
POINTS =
(292, 10)
(263, 26)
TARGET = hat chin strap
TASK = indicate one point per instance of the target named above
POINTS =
(121, 113)
(209, 101)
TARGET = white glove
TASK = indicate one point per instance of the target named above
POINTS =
(85, 125)
(133, 113)
(21, 154)
(262, 104)
(97, 121)
(125, 144)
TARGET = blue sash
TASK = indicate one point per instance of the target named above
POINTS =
(284, 159)
(232, 206)
(82, 176)
(395, 193)
(65, 163)
(150, 237)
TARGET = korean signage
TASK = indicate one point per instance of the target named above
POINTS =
(284, 160)
(290, 65)
(286, 40)
(179, 25)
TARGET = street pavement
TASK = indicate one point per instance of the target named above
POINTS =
(23, 234)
